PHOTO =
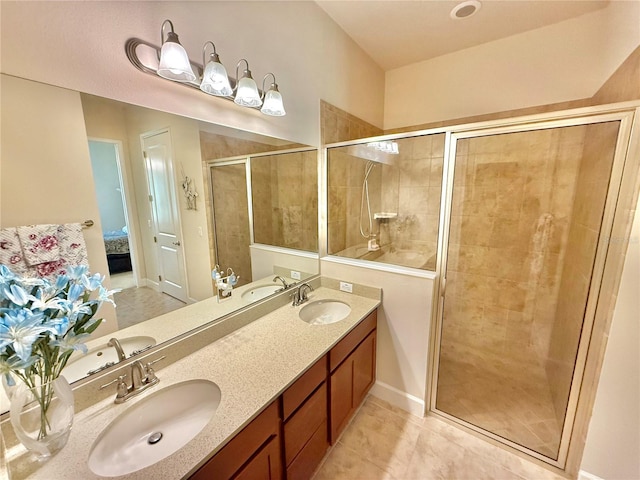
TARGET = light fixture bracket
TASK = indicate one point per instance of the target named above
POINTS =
(144, 56)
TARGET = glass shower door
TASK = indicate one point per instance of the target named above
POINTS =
(231, 218)
(526, 213)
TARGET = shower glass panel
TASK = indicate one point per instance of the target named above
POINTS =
(284, 191)
(231, 218)
(384, 200)
(526, 214)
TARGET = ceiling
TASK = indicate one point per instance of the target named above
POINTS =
(399, 32)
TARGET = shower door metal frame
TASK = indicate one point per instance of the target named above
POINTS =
(624, 114)
(246, 160)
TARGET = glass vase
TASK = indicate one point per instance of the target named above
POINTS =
(42, 416)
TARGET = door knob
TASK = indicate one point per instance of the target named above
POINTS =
(177, 244)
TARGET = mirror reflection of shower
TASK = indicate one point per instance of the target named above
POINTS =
(371, 236)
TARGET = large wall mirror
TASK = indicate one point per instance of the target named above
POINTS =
(163, 215)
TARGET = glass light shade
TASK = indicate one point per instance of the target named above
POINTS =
(247, 94)
(215, 80)
(273, 104)
(174, 62)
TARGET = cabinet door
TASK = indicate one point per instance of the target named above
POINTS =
(350, 383)
(364, 368)
(266, 465)
(341, 397)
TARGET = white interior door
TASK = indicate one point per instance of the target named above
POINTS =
(164, 206)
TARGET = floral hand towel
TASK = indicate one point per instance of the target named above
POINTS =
(11, 251)
(39, 243)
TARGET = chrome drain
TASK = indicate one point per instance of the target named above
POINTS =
(154, 438)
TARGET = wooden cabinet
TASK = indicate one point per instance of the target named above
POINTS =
(254, 453)
(291, 436)
(305, 428)
(353, 373)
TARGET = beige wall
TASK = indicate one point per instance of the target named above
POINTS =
(565, 61)
(612, 450)
(46, 170)
(89, 57)
(403, 331)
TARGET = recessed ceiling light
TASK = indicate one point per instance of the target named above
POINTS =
(465, 9)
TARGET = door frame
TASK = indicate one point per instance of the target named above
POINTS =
(582, 393)
(175, 205)
(129, 203)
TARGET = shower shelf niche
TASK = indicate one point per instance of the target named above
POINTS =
(385, 216)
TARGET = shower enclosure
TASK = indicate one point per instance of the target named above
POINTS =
(514, 218)
(384, 200)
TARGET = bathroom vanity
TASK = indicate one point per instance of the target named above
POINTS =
(287, 389)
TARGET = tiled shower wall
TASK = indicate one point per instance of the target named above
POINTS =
(346, 175)
(584, 228)
(409, 185)
(512, 204)
(412, 187)
(285, 200)
(230, 211)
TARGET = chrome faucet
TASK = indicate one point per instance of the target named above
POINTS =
(300, 295)
(115, 343)
(284, 282)
(142, 377)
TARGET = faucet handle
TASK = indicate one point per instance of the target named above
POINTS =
(121, 390)
(119, 380)
(150, 372)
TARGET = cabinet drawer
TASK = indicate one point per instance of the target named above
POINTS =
(265, 465)
(293, 397)
(299, 428)
(242, 447)
(351, 341)
(311, 455)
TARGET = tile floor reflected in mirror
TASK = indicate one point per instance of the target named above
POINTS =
(384, 442)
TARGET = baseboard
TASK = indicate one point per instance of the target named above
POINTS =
(582, 475)
(400, 399)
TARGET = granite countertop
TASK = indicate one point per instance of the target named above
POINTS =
(252, 366)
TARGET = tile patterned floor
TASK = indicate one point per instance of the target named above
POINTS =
(135, 305)
(513, 404)
(384, 442)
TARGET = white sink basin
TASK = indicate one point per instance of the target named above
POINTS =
(80, 366)
(154, 428)
(259, 292)
(323, 312)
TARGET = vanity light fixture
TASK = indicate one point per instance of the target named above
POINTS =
(171, 61)
(174, 61)
(215, 80)
(247, 93)
(272, 99)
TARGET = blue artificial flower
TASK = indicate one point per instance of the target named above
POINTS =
(72, 341)
(6, 274)
(75, 291)
(92, 282)
(7, 365)
(76, 272)
(105, 295)
(16, 294)
(61, 282)
(20, 329)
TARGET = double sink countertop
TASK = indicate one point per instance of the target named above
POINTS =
(252, 366)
